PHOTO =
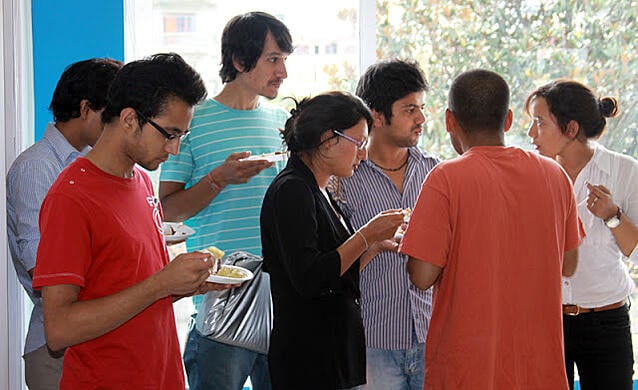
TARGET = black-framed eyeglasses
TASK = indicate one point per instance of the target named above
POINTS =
(360, 144)
(169, 137)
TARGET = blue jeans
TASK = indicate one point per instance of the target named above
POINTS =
(213, 365)
(599, 344)
(395, 369)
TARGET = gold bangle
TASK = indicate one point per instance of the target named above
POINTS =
(364, 239)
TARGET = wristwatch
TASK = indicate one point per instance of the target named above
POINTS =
(613, 221)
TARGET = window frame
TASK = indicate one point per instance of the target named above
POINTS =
(16, 123)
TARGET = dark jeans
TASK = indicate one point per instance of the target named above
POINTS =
(600, 345)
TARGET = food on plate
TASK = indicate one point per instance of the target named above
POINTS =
(407, 212)
(217, 253)
(231, 272)
(272, 157)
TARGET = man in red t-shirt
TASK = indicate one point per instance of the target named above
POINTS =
(492, 230)
(102, 265)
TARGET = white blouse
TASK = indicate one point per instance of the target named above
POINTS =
(601, 276)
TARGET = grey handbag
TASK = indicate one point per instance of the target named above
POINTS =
(239, 316)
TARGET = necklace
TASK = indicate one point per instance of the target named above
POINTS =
(400, 167)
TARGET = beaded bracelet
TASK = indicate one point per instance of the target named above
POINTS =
(213, 183)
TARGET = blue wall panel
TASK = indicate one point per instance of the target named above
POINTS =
(66, 31)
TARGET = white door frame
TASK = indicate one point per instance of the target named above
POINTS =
(367, 34)
(16, 132)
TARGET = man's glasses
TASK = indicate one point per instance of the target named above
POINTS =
(169, 137)
(360, 144)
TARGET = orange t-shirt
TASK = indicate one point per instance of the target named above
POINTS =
(498, 221)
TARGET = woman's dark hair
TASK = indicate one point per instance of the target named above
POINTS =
(314, 116)
(147, 84)
(569, 100)
(243, 41)
(388, 81)
(88, 79)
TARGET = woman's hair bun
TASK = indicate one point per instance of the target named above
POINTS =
(608, 107)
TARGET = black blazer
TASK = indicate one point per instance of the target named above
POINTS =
(317, 338)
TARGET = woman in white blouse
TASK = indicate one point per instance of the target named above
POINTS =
(567, 118)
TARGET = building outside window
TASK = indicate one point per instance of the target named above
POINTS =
(184, 23)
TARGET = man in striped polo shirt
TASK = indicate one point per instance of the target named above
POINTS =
(395, 313)
(219, 194)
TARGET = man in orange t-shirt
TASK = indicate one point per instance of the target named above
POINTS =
(493, 231)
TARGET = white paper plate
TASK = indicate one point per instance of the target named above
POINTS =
(228, 280)
(272, 157)
(176, 232)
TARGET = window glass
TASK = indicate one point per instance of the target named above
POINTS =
(529, 42)
(179, 23)
(325, 35)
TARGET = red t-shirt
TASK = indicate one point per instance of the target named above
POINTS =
(498, 221)
(103, 233)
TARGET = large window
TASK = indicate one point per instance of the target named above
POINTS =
(528, 41)
(326, 56)
(325, 35)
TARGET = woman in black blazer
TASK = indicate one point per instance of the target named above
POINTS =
(312, 252)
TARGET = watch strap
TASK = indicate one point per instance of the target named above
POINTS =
(613, 221)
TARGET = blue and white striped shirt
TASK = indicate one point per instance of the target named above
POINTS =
(231, 220)
(392, 308)
(28, 181)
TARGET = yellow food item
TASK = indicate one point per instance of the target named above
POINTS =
(407, 213)
(230, 272)
(218, 253)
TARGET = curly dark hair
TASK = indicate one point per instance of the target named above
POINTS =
(147, 84)
(83, 80)
(385, 82)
